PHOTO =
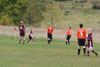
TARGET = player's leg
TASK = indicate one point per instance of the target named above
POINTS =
(69, 40)
(88, 52)
(79, 49)
(94, 52)
(84, 47)
(48, 38)
(23, 37)
(20, 37)
(84, 50)
(32, 40)
(79, 46)
(28, 41)
(66, 41)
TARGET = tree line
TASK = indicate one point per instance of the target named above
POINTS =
(13, 11)
(31, 11)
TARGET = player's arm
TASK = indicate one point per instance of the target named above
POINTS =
(86, 43)
(24, 29)
(77, 34)
(19, 28)
(32, 35)
(85, 33)
(65, 35)
(53, 29)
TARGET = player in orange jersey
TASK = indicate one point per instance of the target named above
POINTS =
(49, 33)
(68, 35)
(81, 35)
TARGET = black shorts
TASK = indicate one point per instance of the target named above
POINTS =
(50, 36)
(68, 37)
(81, 42)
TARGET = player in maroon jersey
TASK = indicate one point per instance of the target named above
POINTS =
(31, 36)
(89, 43)
(22, 32)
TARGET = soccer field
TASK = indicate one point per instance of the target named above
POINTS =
(40, 54)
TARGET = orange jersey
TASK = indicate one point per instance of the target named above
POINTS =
(81, 33)
(50, 30)
(69, 32)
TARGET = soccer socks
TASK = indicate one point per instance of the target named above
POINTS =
(66, 42)
(48, 41)
(23, 41)
(19, 41)
(28, 41)
(79, 51)
(88, 53)
(95, 52)
(84, 50)
(33, 40)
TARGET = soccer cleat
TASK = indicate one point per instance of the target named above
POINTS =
(96, 54)
(24, 42)
(19, 41)
(66, 43)
(78, 54)
(84, 54)
(88, 55)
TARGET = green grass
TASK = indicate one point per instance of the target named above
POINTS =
(40, 54)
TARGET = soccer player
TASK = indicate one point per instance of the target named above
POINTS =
(49, 33)
(81, 35)
(68, 36)
(22, 32)
(31, 36)
(89, 43)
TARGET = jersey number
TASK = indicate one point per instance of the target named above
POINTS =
(81, 34)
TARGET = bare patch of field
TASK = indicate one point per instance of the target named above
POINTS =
(42, 33)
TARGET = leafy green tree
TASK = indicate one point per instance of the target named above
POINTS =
(34, 12)
(13, 9)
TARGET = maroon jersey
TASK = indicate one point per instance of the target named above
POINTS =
(89, 39)
(30, 34)
(22, 30)
(22, 27)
